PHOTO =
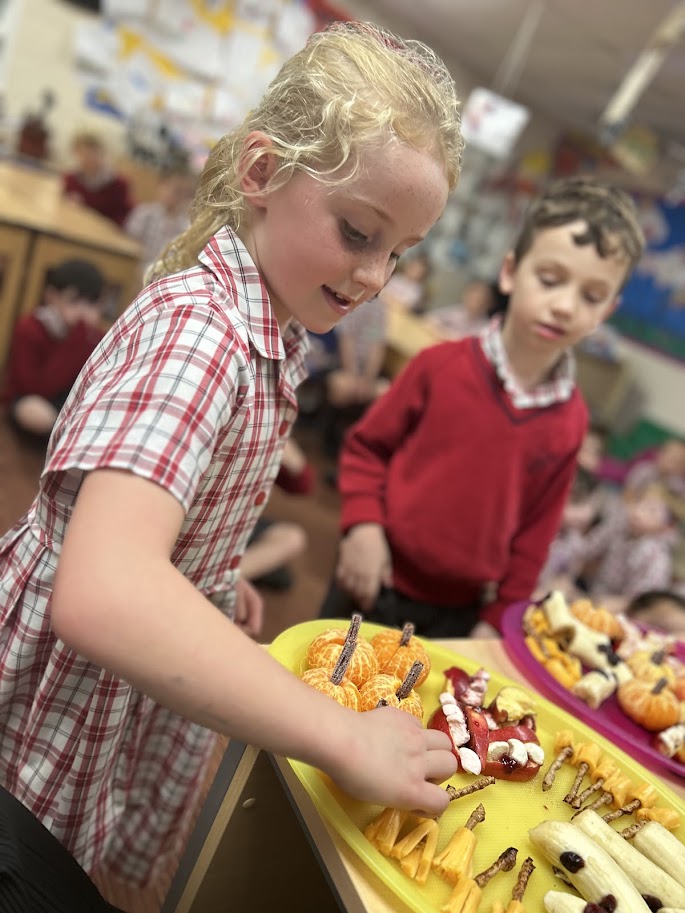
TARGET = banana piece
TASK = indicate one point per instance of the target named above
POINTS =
(589, 868)
(592, 648)
(560, 621)
(663, 848)
(595, 687)
(561, 902)
(647, 877)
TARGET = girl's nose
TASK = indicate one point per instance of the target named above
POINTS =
(372, 274)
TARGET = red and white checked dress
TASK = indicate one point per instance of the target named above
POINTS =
(194, 389)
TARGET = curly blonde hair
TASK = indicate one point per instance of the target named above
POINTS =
(351, 85)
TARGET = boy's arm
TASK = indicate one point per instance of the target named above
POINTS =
(531, 544)
(371, 443)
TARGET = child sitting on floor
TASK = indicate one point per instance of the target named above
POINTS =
(630, 551)
(51, 345)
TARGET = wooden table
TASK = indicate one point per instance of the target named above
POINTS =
(407, 334)
(38, 229)
(260, 843)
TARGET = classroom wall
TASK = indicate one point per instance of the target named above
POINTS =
(662, 382)
(39, 56)
(37, 53)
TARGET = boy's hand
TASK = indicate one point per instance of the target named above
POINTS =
(483, 630)
(364, 564)
(391, 760)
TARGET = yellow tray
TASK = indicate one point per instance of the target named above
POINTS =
(511, 808)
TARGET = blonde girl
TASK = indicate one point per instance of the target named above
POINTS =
(121, 606)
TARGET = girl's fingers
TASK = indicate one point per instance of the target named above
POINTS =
(440, 765)
(432, 801)
(437, 740)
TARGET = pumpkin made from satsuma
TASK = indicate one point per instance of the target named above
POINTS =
(397, 651)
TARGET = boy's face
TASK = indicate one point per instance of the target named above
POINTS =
(323, 251)
(72, 307)
(560, 291)
(90, 158)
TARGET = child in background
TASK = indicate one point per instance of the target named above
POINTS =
(664, 466)
(93, 183)
(407, 288)
(118, 655)
(630, 551)
(663, 609)
(582, 511)
(454, 482)
(156, 224)
(52, 344)
(478, 300)
(357, 380)
(275, 543)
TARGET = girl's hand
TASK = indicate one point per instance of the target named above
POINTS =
(249, 609)
(392, 760)
(364, 564)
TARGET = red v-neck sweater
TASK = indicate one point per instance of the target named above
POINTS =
(41, 364)
(469, 488)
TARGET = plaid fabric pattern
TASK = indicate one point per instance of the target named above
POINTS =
(557, 389)
(193, 389)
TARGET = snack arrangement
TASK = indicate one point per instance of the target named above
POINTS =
(481, 855)
(630, 681)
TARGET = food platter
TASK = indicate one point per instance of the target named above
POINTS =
(608, 719)
(511, 808)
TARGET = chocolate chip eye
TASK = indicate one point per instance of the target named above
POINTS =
(654, 903)
(572, 862)
(608, 903)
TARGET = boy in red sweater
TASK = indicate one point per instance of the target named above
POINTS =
(51, 345)
(93, 183)
(453, 483)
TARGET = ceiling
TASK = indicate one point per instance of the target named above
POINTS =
(579, 53)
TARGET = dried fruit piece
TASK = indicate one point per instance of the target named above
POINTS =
(415, 852)
(454, 862)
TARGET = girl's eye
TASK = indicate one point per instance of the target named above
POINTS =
(352, 234)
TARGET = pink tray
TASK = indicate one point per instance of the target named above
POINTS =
(609, 719)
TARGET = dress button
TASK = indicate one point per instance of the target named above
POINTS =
(261, 498)
(283, 428)
(235, 562)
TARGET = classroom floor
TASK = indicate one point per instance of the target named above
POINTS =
(20, 467)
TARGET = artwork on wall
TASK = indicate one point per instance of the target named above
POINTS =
(652, 309)
(201, 64)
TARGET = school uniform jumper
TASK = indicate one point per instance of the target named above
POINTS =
(193, 388)
(467, 475)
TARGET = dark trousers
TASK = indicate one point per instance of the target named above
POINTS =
(37, 875)
(394, 609)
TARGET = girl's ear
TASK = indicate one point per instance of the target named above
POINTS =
(257, 165)
(506, 274)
